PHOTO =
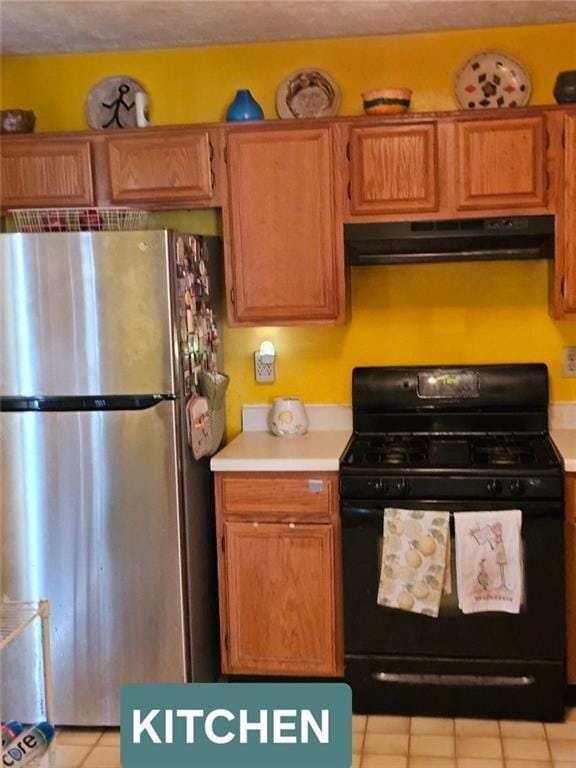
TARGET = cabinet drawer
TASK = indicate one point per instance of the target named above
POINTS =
(309, 497)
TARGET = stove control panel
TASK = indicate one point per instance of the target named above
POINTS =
(441, 487)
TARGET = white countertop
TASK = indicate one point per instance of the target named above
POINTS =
(256, 450)
(316, 451)
(565, 440)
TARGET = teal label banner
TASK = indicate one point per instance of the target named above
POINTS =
(236, 725)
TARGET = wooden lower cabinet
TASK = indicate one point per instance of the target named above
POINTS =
(279, 581)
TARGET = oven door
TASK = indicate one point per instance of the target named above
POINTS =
(537, 632)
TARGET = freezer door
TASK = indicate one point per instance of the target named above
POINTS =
(85, 313)
(90, 519)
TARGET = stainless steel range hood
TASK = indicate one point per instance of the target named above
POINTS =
(516, 237)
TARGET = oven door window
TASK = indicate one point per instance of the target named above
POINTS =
(372, 628)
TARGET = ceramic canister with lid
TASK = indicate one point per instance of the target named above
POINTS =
(288, 417)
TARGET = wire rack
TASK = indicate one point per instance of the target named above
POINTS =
(79, 219)
(15, 618)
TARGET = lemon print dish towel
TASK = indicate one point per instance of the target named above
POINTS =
(415, 560)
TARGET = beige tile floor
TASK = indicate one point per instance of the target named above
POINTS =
(389, 742)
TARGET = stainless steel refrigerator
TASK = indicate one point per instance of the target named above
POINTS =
(104, 511)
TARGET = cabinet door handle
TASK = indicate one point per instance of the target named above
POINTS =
(348, 150)
(232, 296)
(315, 486)
(349, 190)
(210, 150)
(212, 178)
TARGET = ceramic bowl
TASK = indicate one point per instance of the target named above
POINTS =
(565, 87)
(386, 101)
(17, 120)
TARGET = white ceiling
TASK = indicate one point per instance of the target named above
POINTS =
(65, 26)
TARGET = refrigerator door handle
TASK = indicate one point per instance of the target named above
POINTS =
(90, 403)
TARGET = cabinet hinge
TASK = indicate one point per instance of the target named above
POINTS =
(232, 296)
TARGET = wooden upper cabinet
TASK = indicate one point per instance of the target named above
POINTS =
(279, 583)
(566, 221)
(500, 163)
(174, 167)
(393, 169)
(284, 254)
(44, 172)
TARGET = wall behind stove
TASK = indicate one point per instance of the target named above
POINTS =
(443, 313)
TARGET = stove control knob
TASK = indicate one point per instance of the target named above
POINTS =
(380, 486)
(494, 487)
(401, 487)
(517, 488)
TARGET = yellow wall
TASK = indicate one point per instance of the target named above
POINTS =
(400, 315)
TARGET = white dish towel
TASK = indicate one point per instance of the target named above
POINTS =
(489, 560)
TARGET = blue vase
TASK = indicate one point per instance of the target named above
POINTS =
(244, 107)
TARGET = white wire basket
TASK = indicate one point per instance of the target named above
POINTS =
(79, 219)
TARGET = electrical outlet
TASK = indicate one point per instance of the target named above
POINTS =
(569, 362)
(264, 368)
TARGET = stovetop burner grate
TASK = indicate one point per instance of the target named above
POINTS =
(479, 452)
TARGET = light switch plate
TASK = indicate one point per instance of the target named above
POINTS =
(569, 362)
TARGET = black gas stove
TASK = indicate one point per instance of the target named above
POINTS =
(457, 439)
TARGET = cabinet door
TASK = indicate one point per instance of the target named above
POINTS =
(500, 163)
(566, 221)
(172, 167)
(280, 599)
(44, 172)
(284, 261)
(393, 169)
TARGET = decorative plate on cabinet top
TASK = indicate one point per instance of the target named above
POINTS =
(307, 93)
(492, 79)
(111, 102)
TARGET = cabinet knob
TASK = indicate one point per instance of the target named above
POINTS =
(292, 525)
